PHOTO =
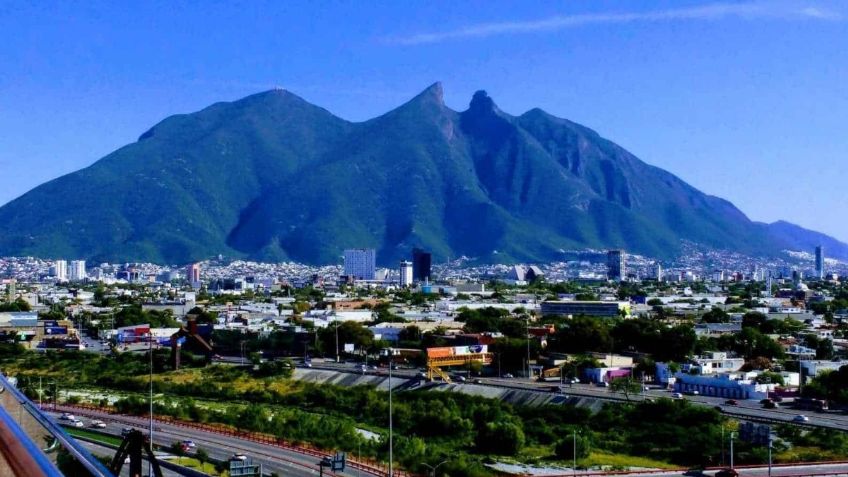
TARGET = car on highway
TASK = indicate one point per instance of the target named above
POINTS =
(727, 473)
(238, 456)
(126, 431)
(801, 418)
(97, 424)
(478, 381)
(508, 376)
(602, 384)
(76, 423)
(732, 402)
(66, 416)
(770, 405)
(677, 395)
(189, 443)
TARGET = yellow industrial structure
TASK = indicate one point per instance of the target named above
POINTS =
(438, 358)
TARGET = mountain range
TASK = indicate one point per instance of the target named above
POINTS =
(272, 177)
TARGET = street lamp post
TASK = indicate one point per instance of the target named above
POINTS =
(433, 467)
(731, 448)
(770, 440)
(528, 347)
(337, 341)
(574, 452)
(150, 352)
(391, 430)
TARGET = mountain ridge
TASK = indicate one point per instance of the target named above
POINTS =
(272, 176)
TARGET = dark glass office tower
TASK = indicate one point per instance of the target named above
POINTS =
(421, 261)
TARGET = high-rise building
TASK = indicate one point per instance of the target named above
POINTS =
(77, 271)
(820, 262)
(616, 270)
(193, 275)
(360, 263)
(768, 285)
(421, 263)
(11, 292)
(60, 270)
(659, 273)
(405, 273)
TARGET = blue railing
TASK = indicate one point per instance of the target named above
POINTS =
(21, 452)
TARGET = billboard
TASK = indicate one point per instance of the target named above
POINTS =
(55, 330)
(448, 351)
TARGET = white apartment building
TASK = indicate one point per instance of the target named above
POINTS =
(60, 270)
(405, 273)
(77, 271)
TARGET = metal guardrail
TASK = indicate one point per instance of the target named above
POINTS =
(20, 453)
(16, 441)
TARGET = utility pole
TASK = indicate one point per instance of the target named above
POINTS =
(337, 340)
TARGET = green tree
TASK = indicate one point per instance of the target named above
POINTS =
(716, 315)
(502, 438)
(201, 456)
(565, 448)
(177, 449)
(626, 385)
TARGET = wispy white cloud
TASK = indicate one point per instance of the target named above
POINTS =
(560, 22)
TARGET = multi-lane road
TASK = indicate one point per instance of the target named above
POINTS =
(218, 446)
(745, 409)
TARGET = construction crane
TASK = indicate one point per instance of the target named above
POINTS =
(444, 357)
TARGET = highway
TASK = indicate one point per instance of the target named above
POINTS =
(101, 450)
(745, 409)
(219, 447)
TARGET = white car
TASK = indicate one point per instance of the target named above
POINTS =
(66, 416)
(239, 456)
(97, 424)
(801, 418)
(76, 423)
(677, 395)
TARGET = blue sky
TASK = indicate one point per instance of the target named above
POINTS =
(744, 100)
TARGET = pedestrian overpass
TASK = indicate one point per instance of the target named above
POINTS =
(446, 357)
